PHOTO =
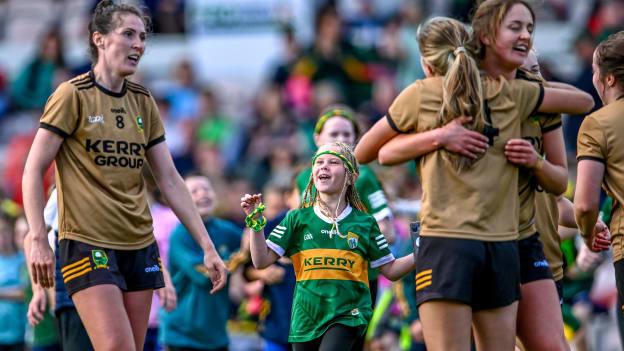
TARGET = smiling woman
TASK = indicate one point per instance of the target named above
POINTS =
(101, 129)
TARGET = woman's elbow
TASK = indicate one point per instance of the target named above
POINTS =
(362, 155)
(584, 208)
(589, 100)
(385, 158)
(558, 189)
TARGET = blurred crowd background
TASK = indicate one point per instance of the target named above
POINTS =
(239, 84)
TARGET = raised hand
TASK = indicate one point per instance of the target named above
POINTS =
(250, 202)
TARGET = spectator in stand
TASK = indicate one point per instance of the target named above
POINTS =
(183, 328)
(13, 280)
(183, 98)
(273, 127)
(584, 46)
(36, 81)
(164, 221)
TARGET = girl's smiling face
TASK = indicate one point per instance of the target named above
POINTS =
(513, 38)
(328, 172)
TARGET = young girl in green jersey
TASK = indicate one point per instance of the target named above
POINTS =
(337, 123)
(332, 242)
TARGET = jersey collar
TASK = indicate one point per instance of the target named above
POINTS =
(106, 91)
(345, 213)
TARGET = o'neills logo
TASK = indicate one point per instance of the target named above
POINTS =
(116, 153)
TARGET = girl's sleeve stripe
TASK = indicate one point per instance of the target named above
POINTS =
(278, 249)
(380, 262)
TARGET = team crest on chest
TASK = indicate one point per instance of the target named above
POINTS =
(139, 122)
(352, 240)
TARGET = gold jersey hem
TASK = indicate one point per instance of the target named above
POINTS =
(108, 245)
(493, 237)
(557, 273)
(527, 232)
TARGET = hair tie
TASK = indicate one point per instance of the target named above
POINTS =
(460, 49)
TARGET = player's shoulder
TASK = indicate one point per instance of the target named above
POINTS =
(81, 82)
(607, 116)
(70, 87)
(137, 89)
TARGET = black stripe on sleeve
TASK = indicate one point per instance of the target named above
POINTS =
(591, 158)
(54, 129)
(158, 140)
(540, 99)
(551, 128)
(392, 124)
(138, 91)
(137, 86)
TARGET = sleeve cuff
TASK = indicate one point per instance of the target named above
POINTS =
(158, 140)
(591, 158)
(540, 99)
(384, 213)
(551, 128)
(54, 130)
(278, 249)
(380, 262)
(392, 124)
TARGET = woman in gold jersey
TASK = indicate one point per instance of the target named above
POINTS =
(502, 41)
(457, 232)
(100, 129)
(600, 155)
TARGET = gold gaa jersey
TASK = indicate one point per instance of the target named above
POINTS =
(480, 202)
(101, 191)
(601, 138)
(331, 267)
(533, 130)
(547, 223)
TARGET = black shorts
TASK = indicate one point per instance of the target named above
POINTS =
(533, 263)
(84, 266)
(338, 337)
(481, 274)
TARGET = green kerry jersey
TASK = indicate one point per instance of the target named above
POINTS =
(331, 267)
(368, 187)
